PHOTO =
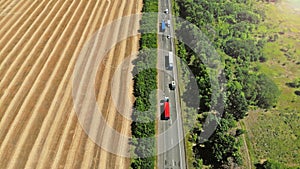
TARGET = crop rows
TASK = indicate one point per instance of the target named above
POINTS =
(39, 45)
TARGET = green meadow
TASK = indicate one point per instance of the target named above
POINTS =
(275, 134)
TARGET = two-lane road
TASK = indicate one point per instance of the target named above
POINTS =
(170, 132)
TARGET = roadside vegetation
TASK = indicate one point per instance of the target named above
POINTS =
(145, 85)
(231, 27)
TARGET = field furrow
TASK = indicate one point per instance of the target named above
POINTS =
(60, 118)
(7, 57)
(90, 64)
(110, 108)
(13, 30)
(6, 7)
(65, 141)
(40, 36)
(33, 95)
(40, 43)
(46, 97)
(27, 74)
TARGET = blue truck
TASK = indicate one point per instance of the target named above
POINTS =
(163, 26)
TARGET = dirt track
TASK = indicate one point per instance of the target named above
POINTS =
(39, 45)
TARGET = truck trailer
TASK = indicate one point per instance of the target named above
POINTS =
(163, 26)
(170, 67)
(166, 110)
(169, 23)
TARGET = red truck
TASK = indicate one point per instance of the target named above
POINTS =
(167, 109)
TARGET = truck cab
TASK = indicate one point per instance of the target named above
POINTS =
(167, 11)
(172, 85)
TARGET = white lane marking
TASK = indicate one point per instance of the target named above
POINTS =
(171, 141)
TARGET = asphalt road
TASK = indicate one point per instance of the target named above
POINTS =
(171, 153)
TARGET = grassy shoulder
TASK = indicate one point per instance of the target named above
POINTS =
(183, 74)
(275, 134)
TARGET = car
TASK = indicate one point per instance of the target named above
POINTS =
(168, 36)
(167, 11)
(172, 85)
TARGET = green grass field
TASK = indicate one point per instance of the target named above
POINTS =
(275, 134)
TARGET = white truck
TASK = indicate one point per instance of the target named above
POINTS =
(169, 23)
(170, 67)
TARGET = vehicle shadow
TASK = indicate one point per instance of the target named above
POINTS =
(162, 114)
(167, 61)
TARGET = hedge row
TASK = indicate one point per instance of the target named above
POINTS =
(145, 85)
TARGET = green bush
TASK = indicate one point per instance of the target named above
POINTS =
(143, 125)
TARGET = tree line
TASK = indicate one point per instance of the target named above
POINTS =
(145, 73)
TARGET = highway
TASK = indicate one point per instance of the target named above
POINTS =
(170, 145)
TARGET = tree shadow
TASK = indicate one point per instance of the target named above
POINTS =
(207, 156)
(291, 85)
(259, 166)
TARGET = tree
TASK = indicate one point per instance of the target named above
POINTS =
(236, 103)
(268, 92)
(248, 17)
(246, 50)
(224, 146)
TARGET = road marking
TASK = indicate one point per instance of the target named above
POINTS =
(171, 141)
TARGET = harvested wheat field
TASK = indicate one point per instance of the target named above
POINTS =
(40, 44)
